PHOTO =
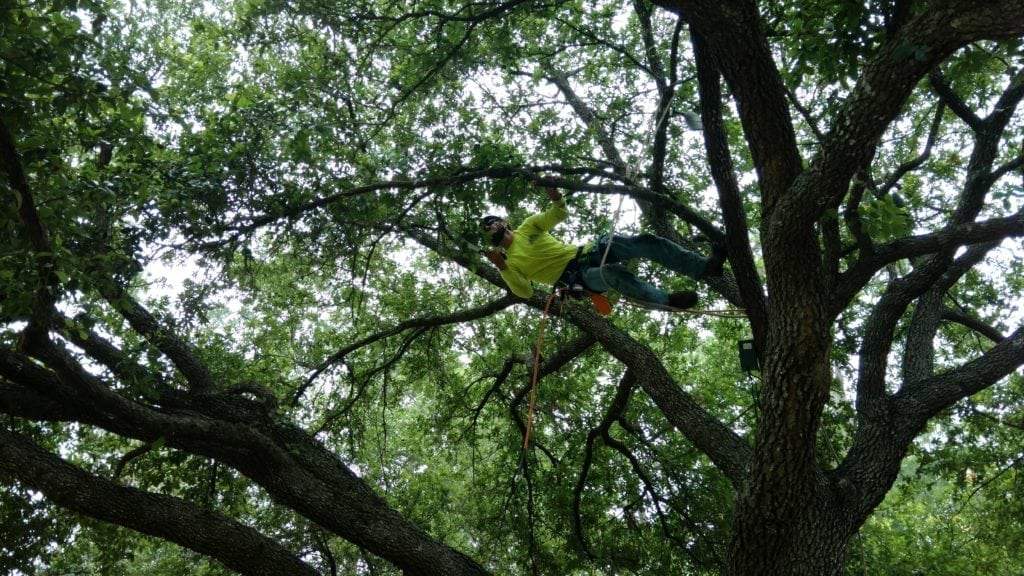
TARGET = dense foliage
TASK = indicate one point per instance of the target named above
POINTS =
(245, 326)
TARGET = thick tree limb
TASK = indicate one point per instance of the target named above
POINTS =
(728, 451)
(235, 545)
(290, 465)
(24, 199)
(919, 350)
(951, 238)
(737, 237)
(736, 41)
(919, 401)
(953, 101)
(906, 57)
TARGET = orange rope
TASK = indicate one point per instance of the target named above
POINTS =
(536, 370)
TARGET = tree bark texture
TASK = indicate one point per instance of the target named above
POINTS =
(791, 516)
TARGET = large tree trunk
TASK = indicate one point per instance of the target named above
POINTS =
(780, 534)
(790, 516)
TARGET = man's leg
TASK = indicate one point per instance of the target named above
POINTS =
(619, 278)
(659, 250)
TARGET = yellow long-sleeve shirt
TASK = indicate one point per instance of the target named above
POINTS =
(535, 254)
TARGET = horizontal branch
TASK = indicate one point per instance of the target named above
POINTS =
(535, 174)
(952, 237)
(287, 213)
(923, 399)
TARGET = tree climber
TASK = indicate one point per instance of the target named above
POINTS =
(530, 252)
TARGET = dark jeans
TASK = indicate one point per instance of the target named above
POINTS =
(616, 276)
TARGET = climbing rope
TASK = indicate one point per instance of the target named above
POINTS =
(536, 371)
(611, 236)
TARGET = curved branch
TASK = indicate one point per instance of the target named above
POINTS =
(951, 238)
(915, 163)
(950, 98)
(35, 231)
(589, 118)
(736, 40)
(919, 349)
(413, 323)
(973, 324)
(666, 89)
(921, 400)
(729, 452)
(160, 335)
(616, 408)
(126, 369)
(292, 466)
(237, 546)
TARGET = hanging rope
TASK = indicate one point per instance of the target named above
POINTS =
(536, 373)
(611, 235)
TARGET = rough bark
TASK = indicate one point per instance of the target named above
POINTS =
(791, 517)
(235, 545)
(285, 461)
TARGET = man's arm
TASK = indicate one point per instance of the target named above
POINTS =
(517, 283)
(547, 220)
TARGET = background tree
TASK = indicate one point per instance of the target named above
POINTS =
(337, 383)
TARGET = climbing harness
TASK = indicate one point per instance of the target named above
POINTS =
(570, 284)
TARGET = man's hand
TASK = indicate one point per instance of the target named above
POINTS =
(553, 193)
(496, 258)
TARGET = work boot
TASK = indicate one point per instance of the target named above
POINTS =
(682, 300)
(713, 268)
